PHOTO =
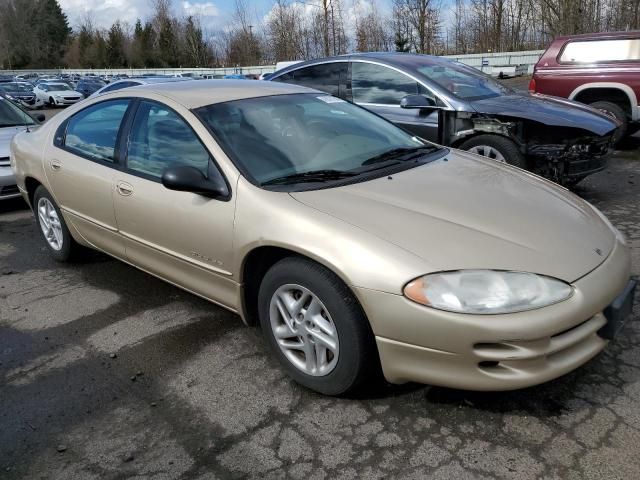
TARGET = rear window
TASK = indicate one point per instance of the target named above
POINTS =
(594, 51)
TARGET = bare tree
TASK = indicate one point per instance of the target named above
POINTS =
(420, 20)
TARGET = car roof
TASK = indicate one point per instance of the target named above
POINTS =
(198, 93)
(601, 35)
(149, 80)
(398, 59)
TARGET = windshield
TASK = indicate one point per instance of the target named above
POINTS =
(464, 82)
(12, 116)
(15, 87)
(55, 87)
(316, 135)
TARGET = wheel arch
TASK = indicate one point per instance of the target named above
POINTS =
(31, 184)
(459, 141)
(619, 93)
(257, 262)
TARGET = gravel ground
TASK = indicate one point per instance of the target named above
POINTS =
(108, 373)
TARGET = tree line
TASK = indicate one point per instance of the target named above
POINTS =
(37, 34)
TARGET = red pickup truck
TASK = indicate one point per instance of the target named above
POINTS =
(599, 69)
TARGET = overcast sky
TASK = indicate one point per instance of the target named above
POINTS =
(213, 13)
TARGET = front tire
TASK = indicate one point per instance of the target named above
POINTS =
(316, 328)
(52, 102)
(497, 148)
(53, 227)
(616, 112)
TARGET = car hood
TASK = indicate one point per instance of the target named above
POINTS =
(553, 111)
(6, 134)
(466, 213)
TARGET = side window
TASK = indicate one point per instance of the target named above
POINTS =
(373, 83)
(593, 51)
(286, 78)
(118, 86)
(93, 132)
(160, 139)
(324, 77)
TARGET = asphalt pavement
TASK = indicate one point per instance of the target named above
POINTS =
(109, 373)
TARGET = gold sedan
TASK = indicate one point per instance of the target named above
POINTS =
(359, 248)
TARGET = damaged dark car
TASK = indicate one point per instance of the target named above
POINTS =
(446, 102)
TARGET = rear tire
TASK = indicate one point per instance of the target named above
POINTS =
(488, 145)
(615, 111)
(326, 305)
(53, 228)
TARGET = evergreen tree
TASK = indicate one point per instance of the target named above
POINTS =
(195, 51)
(51, 32)
(167, 40)
(148, 46)
(85, 44)
(401, 43)
(115, 53)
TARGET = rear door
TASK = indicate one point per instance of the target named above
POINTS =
(80, 165)
(183, 237)
(330, 77)
(380, 88)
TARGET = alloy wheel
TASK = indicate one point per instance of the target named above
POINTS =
(304, 330)
(487, 151)
(50, 223)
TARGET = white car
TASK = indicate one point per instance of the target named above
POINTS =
(13, 120)
(56, 94)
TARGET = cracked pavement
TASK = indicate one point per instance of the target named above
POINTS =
(109, 373)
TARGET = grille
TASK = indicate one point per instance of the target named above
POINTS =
(4, 161)
(515, 354)
(70, 98)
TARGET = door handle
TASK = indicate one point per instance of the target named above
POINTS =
(55, 164)
(124, 189)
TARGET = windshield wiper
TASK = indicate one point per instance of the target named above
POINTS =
(311, 176)
(402, 153)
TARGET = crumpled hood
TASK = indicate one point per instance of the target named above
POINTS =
(548, 110)
(470, 213)
(6, 134)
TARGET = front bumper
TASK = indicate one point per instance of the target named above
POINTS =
(8, 187)
(495, 352)
(562, 162)
(66, 101)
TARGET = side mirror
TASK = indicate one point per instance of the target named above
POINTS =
(190, 179)
(418, 101)
(40, 117)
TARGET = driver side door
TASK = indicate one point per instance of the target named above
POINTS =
(182, 237)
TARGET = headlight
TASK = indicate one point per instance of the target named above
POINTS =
(486, 291)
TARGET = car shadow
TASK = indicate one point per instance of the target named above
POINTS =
(13, 205)
(630, 143)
